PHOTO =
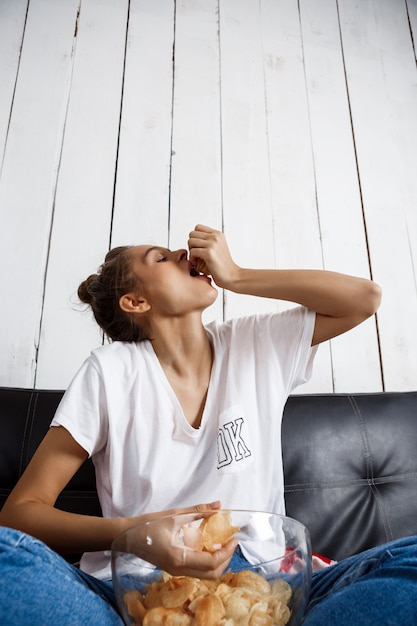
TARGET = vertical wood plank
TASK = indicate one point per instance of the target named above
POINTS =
(383, 99)
(12, 25)
(196, 192)
(28, 181)
(143, 170)
(83, 205)
(400, 75)
(295, 218)
(355, 355)
(247, 210)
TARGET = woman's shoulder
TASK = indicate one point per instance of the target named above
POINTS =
(221, 331)
(117, 353)
(119, 348)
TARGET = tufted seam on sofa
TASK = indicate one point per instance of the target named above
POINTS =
(394, 479)
(22, 461)
(334, 484)
(364, 435)
(358, 482)
(373, 485)
(32, 422)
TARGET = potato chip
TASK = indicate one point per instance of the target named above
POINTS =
(250, 580)
(237, 604)
(153, 596)
(166, 617)
(216, 531)
(182, 592)
(282, 590)
(135, 605)
(281, 614)
(259, 617)
(208, 610)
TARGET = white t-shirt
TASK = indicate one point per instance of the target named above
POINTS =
(122, 410)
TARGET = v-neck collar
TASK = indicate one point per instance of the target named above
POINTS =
(181, 420)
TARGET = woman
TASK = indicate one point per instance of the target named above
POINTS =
(171, 411)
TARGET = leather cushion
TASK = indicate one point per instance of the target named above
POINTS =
(350, 464)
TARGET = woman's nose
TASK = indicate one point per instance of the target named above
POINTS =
(180, 255)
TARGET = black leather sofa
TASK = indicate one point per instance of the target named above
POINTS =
(350, 463)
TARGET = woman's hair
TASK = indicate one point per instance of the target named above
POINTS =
(102, 292)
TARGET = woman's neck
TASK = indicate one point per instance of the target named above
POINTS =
(186, 357)
(183, 349)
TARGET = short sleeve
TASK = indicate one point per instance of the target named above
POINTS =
(291, 333)
(82, 410)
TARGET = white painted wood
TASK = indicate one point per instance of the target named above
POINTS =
(295, 218)
(296, 227)
(400, 75)
(247, 210)
(355, 356)
(258, 106)
(401, 81)
(141, 211)
(371, 34)
(196, 186)
(12, 24)
(83, 206)
(28, 181)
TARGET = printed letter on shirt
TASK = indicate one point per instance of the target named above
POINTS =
(233, 450)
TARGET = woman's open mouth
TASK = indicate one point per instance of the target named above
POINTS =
(196, 274)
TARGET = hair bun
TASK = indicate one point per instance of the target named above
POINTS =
(86, 289)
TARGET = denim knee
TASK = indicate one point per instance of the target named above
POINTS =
(41, 589)
(376, 587)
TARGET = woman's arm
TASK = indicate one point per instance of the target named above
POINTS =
(30, 508)
(340, 301)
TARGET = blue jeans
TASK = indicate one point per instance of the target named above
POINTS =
(39, 588)
(378, 586)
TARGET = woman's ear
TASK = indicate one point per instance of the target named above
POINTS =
(131, 303)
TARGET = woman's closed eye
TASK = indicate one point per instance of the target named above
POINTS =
(162, 255)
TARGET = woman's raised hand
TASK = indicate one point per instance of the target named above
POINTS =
(210, 246)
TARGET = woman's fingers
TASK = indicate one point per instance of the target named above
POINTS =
(210, 245)
(211, 506)
(204, 564)
(201, 235)
(197, 508)
(201, 228)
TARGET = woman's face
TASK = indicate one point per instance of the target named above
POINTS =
(166, 282)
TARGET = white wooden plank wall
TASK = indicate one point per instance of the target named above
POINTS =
(291, 125)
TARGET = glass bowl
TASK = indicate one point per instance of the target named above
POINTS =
(266, 583)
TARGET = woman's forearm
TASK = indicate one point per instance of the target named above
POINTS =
(64, 532)
(328, 293)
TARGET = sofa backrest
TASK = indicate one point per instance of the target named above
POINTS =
(25, 416)
(350, 463)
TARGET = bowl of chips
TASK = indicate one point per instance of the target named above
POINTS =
(266, 583)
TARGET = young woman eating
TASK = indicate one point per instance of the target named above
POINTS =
(173, 413)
